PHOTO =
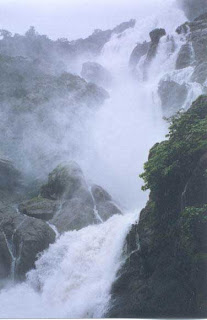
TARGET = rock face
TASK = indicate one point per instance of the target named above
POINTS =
(80, 205)
(94, 72)
(10, 177)
(146, 48)
(155, 36)
(172, 95)
(139, 51)
(164, 274)
(22, 238)
(195, 50)
(39, 208)
(193, 8)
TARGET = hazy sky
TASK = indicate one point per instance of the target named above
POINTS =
(68, 18)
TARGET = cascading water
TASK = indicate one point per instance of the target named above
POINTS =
(73, 277)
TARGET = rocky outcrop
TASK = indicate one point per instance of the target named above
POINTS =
(193, 8)
(195, 50)
(94, 43)
(164, 274)
(139, 51)
(172, 95)
(155, 36)
(22, 238)
(146, 48)
(96, 73)
(79, 205)
(39, 208)
(10, 177)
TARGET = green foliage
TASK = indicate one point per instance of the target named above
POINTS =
(171, 162)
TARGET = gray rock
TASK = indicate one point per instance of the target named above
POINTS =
(39, 208)
(96, 73)
(10, 177)
(22, 238)
(139, 51)
(200, 73)
(172, 95)
(185, 56)
(75, 214)
(63, 181)
(104, 203)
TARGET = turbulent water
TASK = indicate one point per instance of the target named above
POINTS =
(74, 276)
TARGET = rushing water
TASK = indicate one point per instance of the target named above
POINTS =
(74, 276)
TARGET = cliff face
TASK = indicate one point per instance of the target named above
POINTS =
(165, 272)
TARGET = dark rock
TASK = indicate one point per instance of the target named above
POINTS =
(195, 192)
(164, 274)
(63, 181)
(172, 95)
(10, 177)
(107, 209)
(104, 203)
(22, 238)
(99, 194)
(200, 73)
(193, 8)
(39, 208)
(185, 56)
(94, 72)
(75, 214)
(155, 36)
(139, 51)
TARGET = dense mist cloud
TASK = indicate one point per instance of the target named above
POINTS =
(71, 18)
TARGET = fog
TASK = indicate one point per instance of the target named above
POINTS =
(71, 18)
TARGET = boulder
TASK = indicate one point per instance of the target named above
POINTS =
(139, 51)
(39, 208)
(172, 95)
(63, 181)
(200, 73)
(80, 205)
(185, 56)
(104, 204)
(22, 239)
(74, 214)
(155, 36)
(96, 73)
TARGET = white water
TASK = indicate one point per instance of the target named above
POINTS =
(74, 277)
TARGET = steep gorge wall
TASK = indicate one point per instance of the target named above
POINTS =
(165, 272)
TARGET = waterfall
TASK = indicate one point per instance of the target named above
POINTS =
(73, 278)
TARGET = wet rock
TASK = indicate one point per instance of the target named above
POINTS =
(185, 56)
(75, 214)
(39, 208)
(172, 95)
(96, 73)
(63, 181)
(195, 192)
(155, 36)
(10, 177)
(22, 238)
(80, 205)
(104, 203)
(139, 51)
(200, 73)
